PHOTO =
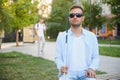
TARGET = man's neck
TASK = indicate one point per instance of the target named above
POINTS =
(40, 22)
(77, 31)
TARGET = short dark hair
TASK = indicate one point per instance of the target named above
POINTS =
(41, 18)
(76, 6)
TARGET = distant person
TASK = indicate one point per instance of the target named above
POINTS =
(77, 53)
(20, 35)
(39, 30)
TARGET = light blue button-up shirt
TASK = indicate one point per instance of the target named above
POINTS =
(63, 50)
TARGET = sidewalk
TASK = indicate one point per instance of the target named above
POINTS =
(31, 49)
(109, 45)
(110, 65)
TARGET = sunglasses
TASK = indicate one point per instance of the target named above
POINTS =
(78, 15)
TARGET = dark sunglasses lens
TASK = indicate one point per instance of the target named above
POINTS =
(76, 14)
(71, 15)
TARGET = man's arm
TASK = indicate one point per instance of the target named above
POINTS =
(35, 29)
(59, 56)
(45, 27)
(95, 54)
(95, 59)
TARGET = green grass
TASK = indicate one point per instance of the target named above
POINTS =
(51, 40)
(18, 66)
(100, 72)
(110, 51)
(106, 41)
(100, 41)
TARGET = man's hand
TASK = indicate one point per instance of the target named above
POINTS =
(64, 69)
(90, 73)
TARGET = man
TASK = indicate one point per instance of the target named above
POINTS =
(39, 30)
(77, 49)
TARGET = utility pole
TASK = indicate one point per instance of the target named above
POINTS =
(90, 15)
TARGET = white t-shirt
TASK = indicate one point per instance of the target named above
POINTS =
(77, 56)
(40, 29)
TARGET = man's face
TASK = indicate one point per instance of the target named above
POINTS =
(75, 17)
(41, 20)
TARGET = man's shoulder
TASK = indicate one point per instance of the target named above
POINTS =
(87, 32)
(61, 33)
(37, 24)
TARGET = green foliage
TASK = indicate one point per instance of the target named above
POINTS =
(115, 9)
(17, 14)
(24, 13)
(115, 5)
(94, 18)
(5, 16)
(57, 19)
(10, 36)
(52, 32)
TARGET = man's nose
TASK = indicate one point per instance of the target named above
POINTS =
(75, 16)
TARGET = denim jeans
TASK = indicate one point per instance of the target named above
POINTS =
(74, 76)
(80, 78)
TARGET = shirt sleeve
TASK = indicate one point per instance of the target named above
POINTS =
(35, 26)
(95, 54)
(44, 26)
(58, 56)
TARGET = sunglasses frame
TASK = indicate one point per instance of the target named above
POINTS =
(78, 15)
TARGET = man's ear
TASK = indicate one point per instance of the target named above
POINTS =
(83, 17)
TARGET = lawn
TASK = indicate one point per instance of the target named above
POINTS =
(18, 66)
(110, 51)
(100, 41)
(106, 41)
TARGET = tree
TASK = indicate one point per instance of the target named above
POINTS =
(57, 20)
(5, 16)
(115, 9)
(93, 19)
(16, 14)
(24, 13)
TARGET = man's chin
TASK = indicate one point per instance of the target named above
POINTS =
(75, 25)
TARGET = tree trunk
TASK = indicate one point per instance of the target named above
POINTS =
(17, 38)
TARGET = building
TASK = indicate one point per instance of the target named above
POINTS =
(106, 11)
(44, 7)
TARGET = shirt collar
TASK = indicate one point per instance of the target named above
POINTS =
(71, 33)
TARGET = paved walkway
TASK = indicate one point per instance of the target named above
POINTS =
(111, 65)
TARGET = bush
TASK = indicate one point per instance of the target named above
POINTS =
(9, 37)
(53, 31)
